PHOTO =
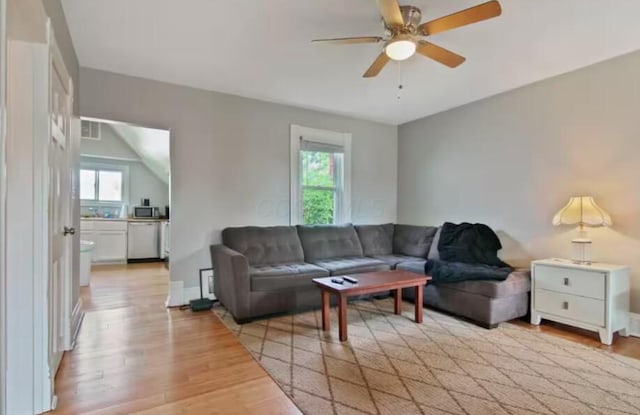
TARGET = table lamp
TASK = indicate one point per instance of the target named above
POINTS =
(582, 211)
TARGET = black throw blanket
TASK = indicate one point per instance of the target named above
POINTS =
(469, 243)
(467, 252)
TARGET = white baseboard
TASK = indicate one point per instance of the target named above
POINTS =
(77, 315)
(181, 295)
(176, 294)
(634, 325)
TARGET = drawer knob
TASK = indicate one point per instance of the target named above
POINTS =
(566, 281)
(565, 305)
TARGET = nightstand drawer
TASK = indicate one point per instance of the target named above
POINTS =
(571, 281)
(586, 310)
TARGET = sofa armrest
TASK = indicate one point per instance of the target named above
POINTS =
(231, 280)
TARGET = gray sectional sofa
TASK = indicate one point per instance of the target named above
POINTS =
(260, 271)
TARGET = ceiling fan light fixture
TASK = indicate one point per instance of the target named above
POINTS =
(400, 49)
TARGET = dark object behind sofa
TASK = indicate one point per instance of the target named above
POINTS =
(467, 252)
(470, 243)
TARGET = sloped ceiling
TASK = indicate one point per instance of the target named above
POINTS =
(261, 49)
(151, 145)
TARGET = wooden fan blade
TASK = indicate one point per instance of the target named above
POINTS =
(376, 66)
(439, 54)
(349, 40)
(462, 18)
(391, 14)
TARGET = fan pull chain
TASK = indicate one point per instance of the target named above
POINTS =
(400, 86)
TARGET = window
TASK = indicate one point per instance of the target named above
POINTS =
(101, 185)
(320, 176)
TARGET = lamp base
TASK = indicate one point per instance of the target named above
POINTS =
(581, 251)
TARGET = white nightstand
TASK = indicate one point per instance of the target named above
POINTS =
(593, 297)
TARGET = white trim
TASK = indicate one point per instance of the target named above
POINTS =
(324, 136)
(126, 159)
(132, 124)
(634, 325)
(180, 295)
(3, 187)
(77, 316)
(19, 231)
(176, 294)
(42, 135)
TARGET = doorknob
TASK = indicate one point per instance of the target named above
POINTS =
(69, 231)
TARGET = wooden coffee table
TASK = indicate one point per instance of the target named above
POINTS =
(369, 283)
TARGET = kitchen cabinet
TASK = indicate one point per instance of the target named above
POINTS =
(110, 237)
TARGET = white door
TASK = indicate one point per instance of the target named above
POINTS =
(60, 232)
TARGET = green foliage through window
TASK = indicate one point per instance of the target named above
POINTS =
(319, 189)
(317, 206)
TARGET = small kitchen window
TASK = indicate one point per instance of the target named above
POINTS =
(101, 185)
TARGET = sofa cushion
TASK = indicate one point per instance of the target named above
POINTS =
(265, 245)
(394, 260)
(413, 266)
(284, 276)
(433, 250)
(352, 265)
(413, 240)
(517, 282)
(376, 239)
(329, 241)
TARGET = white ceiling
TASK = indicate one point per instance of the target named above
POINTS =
(261, 49)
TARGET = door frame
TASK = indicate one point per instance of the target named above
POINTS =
(3, 187)
(30, 379)
(51, 60)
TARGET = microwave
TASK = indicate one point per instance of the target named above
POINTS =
(148, 212)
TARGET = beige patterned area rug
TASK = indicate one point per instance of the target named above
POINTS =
(391, 365)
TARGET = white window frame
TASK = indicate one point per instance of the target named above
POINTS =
(86, 165)
(343, 212)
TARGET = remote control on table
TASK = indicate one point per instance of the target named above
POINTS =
(337, 280)
(350, 279)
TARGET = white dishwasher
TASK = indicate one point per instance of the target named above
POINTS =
(143, 240)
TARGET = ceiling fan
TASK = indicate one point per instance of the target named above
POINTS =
(403, 32)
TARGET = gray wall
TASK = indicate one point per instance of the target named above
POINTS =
(109, 145)
(143, 183)
(513, 160)
(230, 158)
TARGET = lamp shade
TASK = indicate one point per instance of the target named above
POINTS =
(583, 211)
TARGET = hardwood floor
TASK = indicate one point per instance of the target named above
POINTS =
(133, 356)
(627, 346)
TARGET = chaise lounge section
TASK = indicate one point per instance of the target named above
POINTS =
(261, 271)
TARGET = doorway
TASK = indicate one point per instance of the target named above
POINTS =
(125, 176)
